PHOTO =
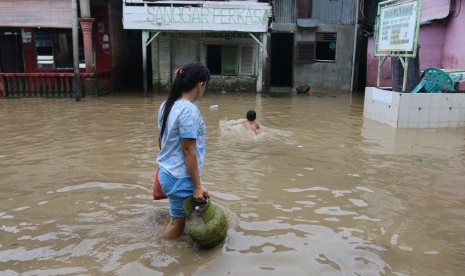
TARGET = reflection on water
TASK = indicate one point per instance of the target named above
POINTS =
(319, 191)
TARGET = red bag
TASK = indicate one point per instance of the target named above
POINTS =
(157, 190)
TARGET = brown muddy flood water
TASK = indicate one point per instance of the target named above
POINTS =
(318, 192)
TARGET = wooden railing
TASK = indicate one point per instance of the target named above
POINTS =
(48, 85)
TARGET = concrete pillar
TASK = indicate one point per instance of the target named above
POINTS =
(90, 82)
(161, 62)
(145, 37)
(86, 27)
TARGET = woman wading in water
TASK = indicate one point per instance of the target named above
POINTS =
(182, 144)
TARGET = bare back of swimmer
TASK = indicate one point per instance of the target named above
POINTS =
(250, 124)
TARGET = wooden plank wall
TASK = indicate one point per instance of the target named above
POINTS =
(35, 13)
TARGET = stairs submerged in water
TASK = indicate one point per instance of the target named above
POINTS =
(285, 91)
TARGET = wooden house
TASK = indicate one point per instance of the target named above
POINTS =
(36, 53)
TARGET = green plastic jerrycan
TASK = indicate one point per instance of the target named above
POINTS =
(206, 223)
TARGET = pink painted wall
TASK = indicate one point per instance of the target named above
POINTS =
(442, 45)
(435, 9)
(431, 41)
(454, 42)
(372, 67)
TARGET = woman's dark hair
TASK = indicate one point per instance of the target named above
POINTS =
(186, 78)
(251, 115)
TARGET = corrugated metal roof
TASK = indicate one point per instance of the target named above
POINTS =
(327, 12)
(284, 11)
(335, 12)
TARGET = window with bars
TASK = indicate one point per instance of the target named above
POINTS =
(326, 47)
(230, 60)
(247, 61)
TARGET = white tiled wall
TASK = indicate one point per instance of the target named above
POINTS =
(422, 110)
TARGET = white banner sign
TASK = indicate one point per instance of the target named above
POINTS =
(188, 18)
(397, 25)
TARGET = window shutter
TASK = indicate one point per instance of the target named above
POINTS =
(247, 60)
(326, 37)
(305, 52)
(229, 60)
(304, 8)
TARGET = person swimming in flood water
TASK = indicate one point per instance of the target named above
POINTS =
(250, 123)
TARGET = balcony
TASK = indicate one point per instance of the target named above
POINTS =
(196, 16)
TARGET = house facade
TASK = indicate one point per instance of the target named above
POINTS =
(312, 43)
(249, 46)
(441, 40)
(36, 47)
(229, 37)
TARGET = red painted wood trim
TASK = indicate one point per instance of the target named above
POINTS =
(51, 75)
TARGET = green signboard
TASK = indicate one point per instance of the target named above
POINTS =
(397, 28)
(396, 32)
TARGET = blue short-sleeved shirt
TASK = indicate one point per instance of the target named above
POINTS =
(184, 121)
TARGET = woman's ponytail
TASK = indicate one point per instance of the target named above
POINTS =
(175, 94)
